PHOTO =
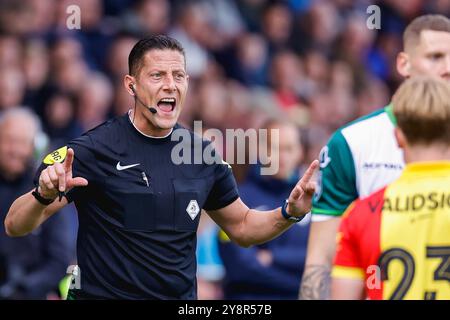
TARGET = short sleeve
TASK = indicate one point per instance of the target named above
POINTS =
(347, 261)
(83, 161)
(224, 190)
(337, 178)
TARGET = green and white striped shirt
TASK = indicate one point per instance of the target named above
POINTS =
(359, 158)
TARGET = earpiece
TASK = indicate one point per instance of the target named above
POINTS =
(132, 86)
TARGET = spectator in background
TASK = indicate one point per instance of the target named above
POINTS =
(374, 93)
(59, 121)
(14, 17)
(69, 67)
(39, 11)
(95, 99)
(10, 51)
(190, 29)
(341, 78)
(117, 65)
(95, 33)
(213, 101)
(148, 16)
(287, 79)
(252, 60)
(226, 20)
(317, 68)
(354, 46)
(240, 108)
(35, 65)
(12, 87)
(316, 29)
(117, 60)
(251, 12)
(32, 266)
(270, 270)
(36, 69)
(277, 26)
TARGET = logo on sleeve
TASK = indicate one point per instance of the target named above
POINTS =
(193, 209)
(56, 156)
(324, 159)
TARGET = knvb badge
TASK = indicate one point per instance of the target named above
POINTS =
(193, 209)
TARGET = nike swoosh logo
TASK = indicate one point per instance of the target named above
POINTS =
(120, 168)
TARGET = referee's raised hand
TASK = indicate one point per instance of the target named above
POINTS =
(299, 202)
(58, 177)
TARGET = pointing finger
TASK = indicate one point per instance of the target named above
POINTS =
(308, 174)
(69, 160)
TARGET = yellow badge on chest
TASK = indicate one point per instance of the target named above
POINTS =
(56, 156)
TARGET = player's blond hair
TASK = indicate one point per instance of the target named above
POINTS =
(433, 22)
(421, 106)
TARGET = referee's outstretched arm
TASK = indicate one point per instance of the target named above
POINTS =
(248, 227)
(27, 213)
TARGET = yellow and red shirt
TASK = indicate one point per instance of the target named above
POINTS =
(398, 238)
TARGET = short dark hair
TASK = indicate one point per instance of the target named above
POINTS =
(434, 22)
(158, 42)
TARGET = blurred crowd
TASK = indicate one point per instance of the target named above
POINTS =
(314, 62)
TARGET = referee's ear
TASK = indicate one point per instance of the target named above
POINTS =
(128, 82)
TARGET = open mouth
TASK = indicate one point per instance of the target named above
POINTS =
(167, 104)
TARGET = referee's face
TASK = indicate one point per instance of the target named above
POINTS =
(162, 83)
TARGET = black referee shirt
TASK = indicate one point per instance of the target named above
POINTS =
(139, 214)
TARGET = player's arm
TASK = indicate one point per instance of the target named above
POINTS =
(320, 253)
(336, 191)
(27, 213)
(247, 227)
(347, 289)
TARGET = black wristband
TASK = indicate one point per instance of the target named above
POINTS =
(287, 216)
(41, 199)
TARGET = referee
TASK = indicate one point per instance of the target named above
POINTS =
(138, 211)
